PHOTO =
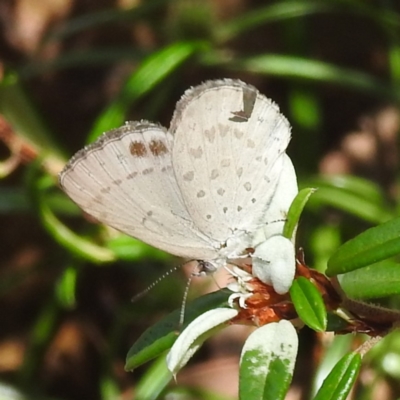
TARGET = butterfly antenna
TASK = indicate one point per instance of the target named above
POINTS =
(184, 300)
(276, 221)
(155, 283)
(202, 268)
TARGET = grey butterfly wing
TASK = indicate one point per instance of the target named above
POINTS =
(126, 180)
(229, 143)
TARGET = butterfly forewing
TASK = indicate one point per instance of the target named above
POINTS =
(126, 180)
(229, 143)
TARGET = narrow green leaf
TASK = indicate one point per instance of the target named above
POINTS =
(154, 380)
(309, 304)
(109, 388)
(295, 210)
(66, 287)
(394, 61)
(339, 382)
(355, 204)
(373, 245)
(388, 20)
(306, 113)
(82, 58)
(352, 184)
(271, 13)
(377, 280)
(324, 240)
(152, 349)
(357, 196)
(151, 72)
(130, 249)
(42, 332)
(61, 234)
(291, 67)
(162, 335)
(76, 244)
(338, 347)
(267, 362)
(17, 108)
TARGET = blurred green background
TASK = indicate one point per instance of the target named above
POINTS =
(73, 69)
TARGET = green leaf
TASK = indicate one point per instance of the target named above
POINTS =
(162, 335)
(151, 72)
(77, 245)
(41, 335)
(324, 240)
(353, 195)
(17, 108)
(336, 323)
(352, 184)
(130, 249)
(373, 245)
(304, 69)
(306, 113)
(82, 58)
(385, 19)
(81, 247)
(377, 280)
(339, 382)
(267, 362)
(154, 380)
(271, 13)
(338, 347)
(309, 304)
(295, 211)
(66, 287)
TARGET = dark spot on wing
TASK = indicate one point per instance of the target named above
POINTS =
(138, 149)
(249, 99)
(158, 148)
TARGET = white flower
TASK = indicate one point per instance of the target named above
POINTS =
(241, 289)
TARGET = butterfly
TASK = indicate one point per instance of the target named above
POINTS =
(203, 189)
